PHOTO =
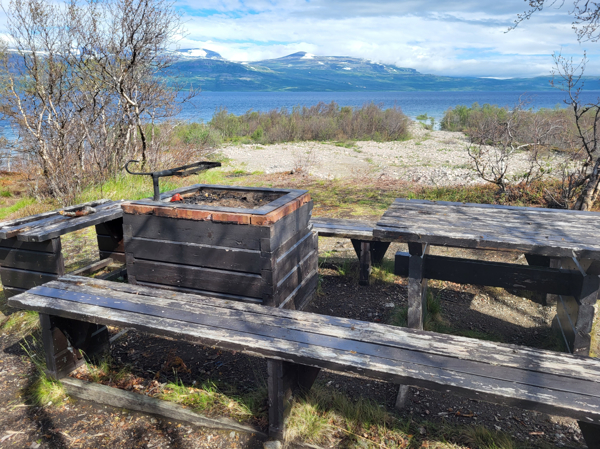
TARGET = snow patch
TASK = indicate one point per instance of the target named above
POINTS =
(497, 77)
(320, 62)
(195, 53)
(347, 68)
(308, 56)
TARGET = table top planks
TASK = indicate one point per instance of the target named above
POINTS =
(547, 232)
(49, 225)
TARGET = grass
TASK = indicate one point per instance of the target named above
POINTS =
(19, 205)
(42, 390)
(21, 323)
(207, 399)
(330, 418)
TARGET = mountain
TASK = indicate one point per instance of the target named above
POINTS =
(208, 70)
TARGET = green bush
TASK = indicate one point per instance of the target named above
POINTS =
(322, 122)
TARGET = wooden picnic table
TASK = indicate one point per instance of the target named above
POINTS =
(563, 245)
(31, 249)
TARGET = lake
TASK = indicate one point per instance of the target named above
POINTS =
(202, 107)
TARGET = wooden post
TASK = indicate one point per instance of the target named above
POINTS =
(285, 380)
(539, 261)
(369, 253)
(575, 314)
(417, 301)
(110, 240)
(591, 434)
(66, 341)
(417, 285)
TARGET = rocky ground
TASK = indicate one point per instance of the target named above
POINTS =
(429, 157)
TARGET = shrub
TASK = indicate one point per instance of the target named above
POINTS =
(321, 122)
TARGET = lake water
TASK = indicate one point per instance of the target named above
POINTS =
(202, 107)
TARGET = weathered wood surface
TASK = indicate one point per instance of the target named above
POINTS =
(495, 274)
(539, 380)
(24, 265)
(342, 228)
(546, 232)
(6, 227)
(116, 397)
(287, 195)
(59, 226)
(92, 267)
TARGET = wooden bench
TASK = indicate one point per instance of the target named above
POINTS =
(369, 249)
(73, 309)
(31, 248)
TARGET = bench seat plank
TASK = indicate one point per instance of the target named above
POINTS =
(345, 347)
(462, 348)
(342, 228)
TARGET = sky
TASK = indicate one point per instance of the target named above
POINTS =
(442, 37)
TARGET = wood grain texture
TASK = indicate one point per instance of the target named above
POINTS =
(546, 232)
(534, 379)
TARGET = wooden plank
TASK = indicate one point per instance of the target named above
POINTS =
(352, 229)
(207, 279)
(117, 257)
(304, 293)
(357, 344)
(462, 348)
(364, 252)
(114, 275)
(25, 279)
(289, 260)
(540, 399)
(116, 397)
(291, 281)
(33, 218)
(48, 246)
(32, 260)
(288, 226)
(195, 292)
(198, 255)
(198, 232)
(535, 231)
(110, 243)
(495, 274)
(92, 267)
(555, 212)
(41, 232)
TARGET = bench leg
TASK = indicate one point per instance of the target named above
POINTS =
(285, 380)
(368, 253)
(417, 301)
(66, 341)
(591, 434)
(575, 314)
(110, 240)
(534, 260)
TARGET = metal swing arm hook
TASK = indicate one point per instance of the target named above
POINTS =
(185, 170)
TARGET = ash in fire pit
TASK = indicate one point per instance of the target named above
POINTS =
(230, 198)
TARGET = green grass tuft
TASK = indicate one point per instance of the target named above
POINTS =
(206, 399)
(22, 203)
(21, 323)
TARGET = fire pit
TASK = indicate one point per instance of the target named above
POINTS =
(240, 243)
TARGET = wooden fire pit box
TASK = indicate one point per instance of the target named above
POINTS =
(265, 255)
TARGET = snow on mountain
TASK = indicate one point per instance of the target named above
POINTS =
(198, 53)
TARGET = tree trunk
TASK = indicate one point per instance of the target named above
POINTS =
(590, 191)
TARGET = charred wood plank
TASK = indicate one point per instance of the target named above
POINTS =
(495, 274)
